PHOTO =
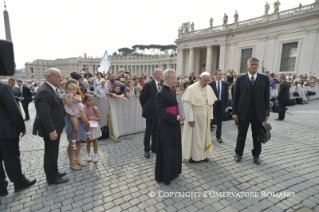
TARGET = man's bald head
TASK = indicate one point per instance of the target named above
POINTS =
(158, 74)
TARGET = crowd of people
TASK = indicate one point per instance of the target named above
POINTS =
(69, 102)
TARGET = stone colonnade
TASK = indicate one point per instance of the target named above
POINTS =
(200, 59)
(139, 69)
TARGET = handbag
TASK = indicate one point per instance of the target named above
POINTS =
(93, 124)
(264, 133)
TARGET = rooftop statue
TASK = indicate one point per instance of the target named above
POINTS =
(276, 6)
(267, 8)
(192, 26)
(236, 17)
(211, 22)
(225, 19)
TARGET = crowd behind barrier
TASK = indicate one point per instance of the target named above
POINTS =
(302, 92)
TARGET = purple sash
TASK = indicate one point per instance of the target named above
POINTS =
(173, 110)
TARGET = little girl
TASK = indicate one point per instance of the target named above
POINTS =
(75, 109)
(93, 114)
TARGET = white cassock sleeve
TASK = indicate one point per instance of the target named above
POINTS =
(212, 113)
(188, 111)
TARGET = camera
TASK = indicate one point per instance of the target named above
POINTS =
(126, 72)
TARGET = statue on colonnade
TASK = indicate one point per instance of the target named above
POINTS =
(192, 26)
(276, 6)
(225, 19)
(211, 22)
(267, 8)
(236, 17)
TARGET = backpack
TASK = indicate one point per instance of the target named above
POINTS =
(105, 133)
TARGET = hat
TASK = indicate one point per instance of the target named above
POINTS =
(76, 76)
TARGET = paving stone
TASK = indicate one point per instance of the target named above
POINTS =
(123, 178)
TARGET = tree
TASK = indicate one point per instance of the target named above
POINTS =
(114, 53)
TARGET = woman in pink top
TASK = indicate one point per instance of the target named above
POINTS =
(93, 114)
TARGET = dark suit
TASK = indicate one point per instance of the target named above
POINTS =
(220, 105)
(148, 103)
(49, 118)
(27, 98)
(251, 104)
(283, 97)
(11, 123)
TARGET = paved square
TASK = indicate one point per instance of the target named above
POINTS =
(123, 179)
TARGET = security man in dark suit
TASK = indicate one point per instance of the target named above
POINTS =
(283, 97)
(11, 126)
(250, 105)
(16, 91)
(220, 89)
(148, 103)
(49, 123)
(26, 99)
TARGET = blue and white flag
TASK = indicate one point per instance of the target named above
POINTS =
(105, 63)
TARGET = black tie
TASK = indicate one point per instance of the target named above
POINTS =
(218, 89)
(57, 91)
(252, 80)
(159, 86)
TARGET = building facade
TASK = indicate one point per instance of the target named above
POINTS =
(284, 42)
(136, 64)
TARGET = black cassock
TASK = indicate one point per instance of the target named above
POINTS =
(168, 153)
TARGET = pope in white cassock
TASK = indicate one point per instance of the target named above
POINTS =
(198, 101)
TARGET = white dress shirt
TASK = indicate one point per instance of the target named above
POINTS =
(220, 89)
(53, 87)
(156, 83)
(255, 76)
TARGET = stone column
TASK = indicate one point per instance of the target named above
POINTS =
(309, 52)
(270, 52)
(180, 61)
(222, 57)
(209, 59)
(191, 61)
(260, 52)
(231, 57)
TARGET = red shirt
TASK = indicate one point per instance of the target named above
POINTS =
(142, 80)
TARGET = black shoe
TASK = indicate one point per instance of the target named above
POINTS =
(237, 158)
(26, 119)
(278, 119)
(219, 140)
(206, 160)
(59, 181)
(61, 174)
(257, 160)
(191, 160)
(154, 150)
(26, 184)
(147, 154)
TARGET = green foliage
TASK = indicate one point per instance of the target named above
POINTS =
(153, 49)
(114, 53)
(125, 51)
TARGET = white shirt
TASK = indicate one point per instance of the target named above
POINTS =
(255, 76)
(220, 89)
(53, 87)
(157, 84)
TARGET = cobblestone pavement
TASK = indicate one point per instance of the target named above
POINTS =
(123, 179)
